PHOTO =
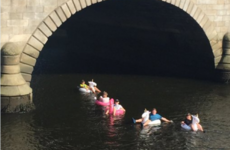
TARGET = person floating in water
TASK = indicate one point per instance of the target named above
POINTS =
(144, 117)
(116, 107)
(85, 86)
(93, 86)
(104, 98)
(192, 122)
(152, 117)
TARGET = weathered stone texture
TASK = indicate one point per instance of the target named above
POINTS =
(66, 10)
(61, 14)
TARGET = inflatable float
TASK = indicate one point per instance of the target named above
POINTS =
(155, 123)
(145, 117)
(83, 90)
(195, 120)
(98, 102)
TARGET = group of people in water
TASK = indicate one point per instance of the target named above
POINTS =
(191, 122)
(104, 98)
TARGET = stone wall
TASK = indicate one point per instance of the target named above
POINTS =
(20, 18)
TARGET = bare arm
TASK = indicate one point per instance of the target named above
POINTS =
(166, 120)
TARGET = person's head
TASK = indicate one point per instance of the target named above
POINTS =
(117, 101)
(83, 81)
(154, 111)
(105, 94)
(189, 116)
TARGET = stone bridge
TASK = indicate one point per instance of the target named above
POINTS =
(26, 26)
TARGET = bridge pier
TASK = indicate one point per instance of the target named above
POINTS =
(16, 94)
(223, 68)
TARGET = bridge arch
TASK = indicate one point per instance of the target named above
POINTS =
(58, 16)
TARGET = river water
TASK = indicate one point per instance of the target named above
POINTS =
(65, 119)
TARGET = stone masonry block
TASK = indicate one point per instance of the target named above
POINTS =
(173, 2)
(83, 3)
(66, 10)
(10, 60)
(50, 24)
(55, 18)
(94, 1)
(182, 2)
(24, 89)
(177, 3)
(17, 9)
(35, 9)
(99, 0)
(16, 23)
(77, 5)
(26, 68)
(31, 51)
(207, 1)
(40, 36)
(10, 69)
(49, 9)
(212, 35)
(71, 7)
(16, 16)
(18, 2)
(30, 29)
(226, 59)
(45, 29)
(49, 2)
(9, 91)
(190, 8)
(207, 25)
(27, 77)
(193, 11)
(226, 44)
(33, 3)
(5, 3)
(200, 17)
(217, 60)
(88, 2)
(61, 14)
(186, 5)
(218, 52)
(203, 21)
(216, 46)
(197, 13)
(61, 2)
(26, 59)
(12, 79)
(226, 51)
(35, 43)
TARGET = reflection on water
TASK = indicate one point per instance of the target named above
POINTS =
(65, 119)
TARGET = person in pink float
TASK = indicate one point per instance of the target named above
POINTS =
(116, 107)
(104, 98)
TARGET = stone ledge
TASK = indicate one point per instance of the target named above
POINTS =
(15, 90)
(10, 69)
(12, 79)
(9, 60)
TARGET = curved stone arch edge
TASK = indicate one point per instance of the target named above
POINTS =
(45, 29)
(59, 15)
(202, 19)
